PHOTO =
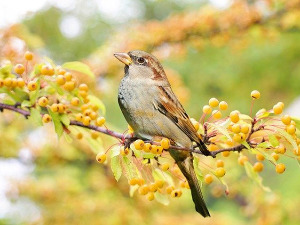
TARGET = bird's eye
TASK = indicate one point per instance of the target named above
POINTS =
(140, 60)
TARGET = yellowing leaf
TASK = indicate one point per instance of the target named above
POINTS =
(80, 67)
(116, 167)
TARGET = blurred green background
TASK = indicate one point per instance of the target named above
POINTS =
(222, 49)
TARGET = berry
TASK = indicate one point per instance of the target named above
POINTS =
(176, 193)
(43, 101)
(19, 69)
(14, 82)
(165, 143)
(275, 156)
(86, 120)
(7, 82)
(143, 190)
(258, 167)
(79, 136)
(286, 119)
(255, 94)
(153, 187)
(260, 157)
(84, 107)
(47, 70)
(79, 117)
(21, 82)
(28, 55)
(100, 121)
(220, 172)
(147, 147)
(83, 94)
(68, 76)
(83, 87)
(169, 189)
(87, 112)
(54, 107)
(75, 101)
(154, 149)
(1, 83)
(94, 134)
(220, 163)
(61, 71)
(150, 196)
(213, 102)
(236, 128)
(234, 116)
(93, 115)
(281, 104)
(124, 151)
(277, 109)
(139, 144)
(291, 129)
(208, 179)
(133, 181)
(69, 85)
(60, 80)
(32, 86)
(280, 168)
(223, 105)
(160, 183)
(244, 128)
(101, 157)
(165, 166)
(242, 159)
(206, 109)
(226, 153)
(61, 108)
(238, 137)
(46, 118)
(216, 114)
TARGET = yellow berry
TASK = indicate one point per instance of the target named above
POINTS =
(226, 153)
(234, 117)
(260, 157)
(213, 102)
(220, 172)
(21, 82)
(242, 159)
(275, 156)
(83, 94)
(147, 147)
(258, 167)
(47, 70)
(93, 115)
(7, 82)
(124, 151)
(138, 144)
(69, 85)
(60, 80)
(75, 101)
(87, 112)
(220, 163)
(61, 108)
(216, 114)
(236, 128)
(286, 119)
(255, 94)
(43, 101)
(237, 137)
(208, 179)
(291, 129)
(165, 143)
(153, 187)
(79, 136)
(68, 76)
(32, 86)
(46, 118)
(169, 189)
(86, 120)
(94, 134)
(281, 104)
(101, 157)
(143, 190)
(150, 196)
(280, 168)
(160, 183)
(83, 87)
(54, 107)
(277, 109)
(223, 105)
(1, 82)
(19, 69)
(176, 193)
(79, 117)
(206, 109)
(244, 128)
(165, 166)
(14, 83)
(100, 121)
(28, 55)
(61, 71)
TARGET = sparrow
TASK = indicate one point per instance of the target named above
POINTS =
(152, 109)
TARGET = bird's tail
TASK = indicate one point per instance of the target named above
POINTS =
(187, 168)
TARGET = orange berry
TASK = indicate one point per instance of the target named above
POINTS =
(216, 114)
(208, 179)
(291, 129)
(19, 69)
(150, 196)
(176, 193)
(143, 190)
(93, 115)
(124, 151)
(69, 85)
(94, 134)
(223, 105)
(61, 71)
(46, 118)
(61, 108)
(275, 156)
(160, 183)
(47, 70)
(21, 82)
(28, 55)
(7, 82)
(255, 94)
(165, 143)
(153, 187)
(244, 128)
(286, 119)
(220, 163)
(280, 168)
(280, 149)
(206, 109)
(79, 117)
(83, 94)
(258, 167)
(43, 101)
(220, 172)
(213, 102)
(54, 107)
(60, 80)
(68, 76)
(234, 116)
(138, 144)
(101, 157)
(242, 159)
(260, 157)
(86, 120)
(79, 136)
(147, 147)
(14, 82)
(83, 87)
(277, 109)
(32, 86)
(226, 153)
(169, 189)
(75, 101)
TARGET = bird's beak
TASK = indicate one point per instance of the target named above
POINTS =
(124, 58)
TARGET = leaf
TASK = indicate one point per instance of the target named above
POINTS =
(246, 144)
(129, 168)
(95, 145)
(264, 145)
(297, 121)
(265, 114)
(96, 101)
(25, 104)
(56, 121)
(35, 117)
(33, 95)
(160, 175)
(133, 189)
(80, 67)
(288, 137)
(221, 129)
(245, 117)
(115, 151)
(116, 167)
(273, 140)
(64, 119)
(68, 138)
(163, 199)
(5, 70)
(253, 175)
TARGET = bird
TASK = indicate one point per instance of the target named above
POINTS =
(152, 109)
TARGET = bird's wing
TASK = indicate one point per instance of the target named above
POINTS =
(168, 104)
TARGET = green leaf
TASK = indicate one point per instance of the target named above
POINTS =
(65, 119)
(160, 175)
(129, 168)
(25, 104)
(221, 129)
(56, 121)
(96, 101)
(80, 67)
(245, 117)
(253, 175)
(246, 144)
(264, 115)
(35, 117)
(95, 145)
(114, 151)
(273, 140)
(116, 167)
(163, 199)
(68, 138)
(264, 145)
(5, 70)
(288, 137)
(33, 95)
